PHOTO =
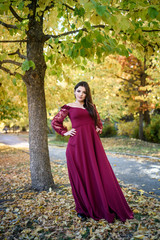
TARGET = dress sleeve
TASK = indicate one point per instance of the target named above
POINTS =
(57, 122)
(99, 122)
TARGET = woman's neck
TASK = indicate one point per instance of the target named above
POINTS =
(79, 103)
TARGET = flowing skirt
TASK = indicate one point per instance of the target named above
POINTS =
(95, 188)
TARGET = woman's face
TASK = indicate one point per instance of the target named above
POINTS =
(80, 94)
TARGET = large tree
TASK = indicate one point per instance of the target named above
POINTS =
(58, 31)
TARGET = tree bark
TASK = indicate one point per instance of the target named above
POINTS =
(141, 114)
(38, 142)
(146, 117)
(141, 124)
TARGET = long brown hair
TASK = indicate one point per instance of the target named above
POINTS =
(88, 103)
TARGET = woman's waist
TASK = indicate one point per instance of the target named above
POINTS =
(77, 125)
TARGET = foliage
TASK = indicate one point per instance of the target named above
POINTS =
(139, 94)
(83, 29)
(26, 65)
(64, 32)
(105, 28)
(152, 131)
(109, 130)
(135, 133)
(61, 138)
(128, 128)
(26, 214)
(13, 102)
(8, 110)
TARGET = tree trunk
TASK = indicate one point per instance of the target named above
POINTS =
(141, 125)
(141, 117)
(38, 142)
(146, 117)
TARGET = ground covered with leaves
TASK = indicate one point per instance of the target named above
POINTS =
(26, 214)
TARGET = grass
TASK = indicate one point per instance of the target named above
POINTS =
(133, 146)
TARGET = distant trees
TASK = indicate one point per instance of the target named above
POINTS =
(61, 32)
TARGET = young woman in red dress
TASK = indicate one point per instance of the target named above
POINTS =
(95, 189)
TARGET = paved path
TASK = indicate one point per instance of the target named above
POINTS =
(140, 173)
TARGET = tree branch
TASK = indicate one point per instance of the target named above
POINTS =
(68, 33)
(68, 18)
(67, 6)
(84, 29)
(11, 61)
(15, 14)
(34, 3)
(71, 32)
(12, 41)
(149, 30)
(126, 80)
(8, 71)
(127, 10)
(53, 4)
(8, 25)
(19, 54)
(49, 7)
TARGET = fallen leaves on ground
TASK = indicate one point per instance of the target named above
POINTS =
(26, 214)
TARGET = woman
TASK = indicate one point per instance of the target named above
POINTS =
(95, 188)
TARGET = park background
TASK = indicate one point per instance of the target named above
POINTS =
(46, 48)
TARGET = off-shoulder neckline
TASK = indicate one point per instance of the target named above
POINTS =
(75, 107)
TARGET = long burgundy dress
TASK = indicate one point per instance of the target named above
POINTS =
(95, 188)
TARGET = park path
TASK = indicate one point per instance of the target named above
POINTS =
(139, 173)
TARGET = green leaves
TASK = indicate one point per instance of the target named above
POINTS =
(14, 81)
(121, 49)
(56, 40)
(3, 56)
(21, 5)
(73, 26)
(4, 7)
(88, 25)
(79, 35)
(26, 65)
(79, 12)
(99, 8)
(99, 36)
(152, 12)
(83, 52)
(50, 41)
(86, 42)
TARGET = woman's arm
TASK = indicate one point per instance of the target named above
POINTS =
(57, 122)
(99, 126)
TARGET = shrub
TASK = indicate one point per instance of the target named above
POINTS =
(130, 129)
(108, 130)
(135, 133)
(152, 131)
(61, 138)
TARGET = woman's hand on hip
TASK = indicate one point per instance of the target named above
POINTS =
(98, 130)
(71, 132)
